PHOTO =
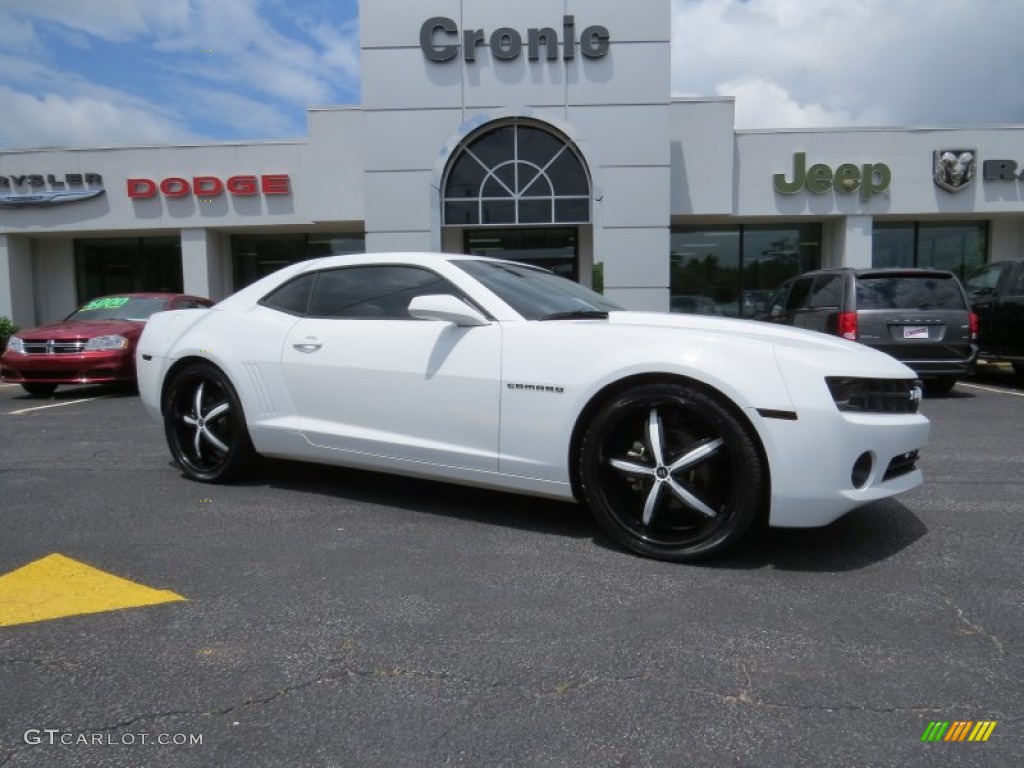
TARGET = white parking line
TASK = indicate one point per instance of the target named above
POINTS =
(56, 405)
(993, 389)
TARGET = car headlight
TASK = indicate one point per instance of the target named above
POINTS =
(875, 395)
(16, 344)
(106, 343)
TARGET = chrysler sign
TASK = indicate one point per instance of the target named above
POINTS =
(37, 189)
(440, 40)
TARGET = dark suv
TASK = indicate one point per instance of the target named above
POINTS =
(919, 316)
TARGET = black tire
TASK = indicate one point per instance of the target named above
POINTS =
(699, 508)
(1018, 368)
(205, 425)
(40, 390)
(940, 386)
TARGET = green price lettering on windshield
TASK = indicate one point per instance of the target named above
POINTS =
(108, 303)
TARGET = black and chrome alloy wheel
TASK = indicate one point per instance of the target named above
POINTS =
(204, 424)
(670, 472)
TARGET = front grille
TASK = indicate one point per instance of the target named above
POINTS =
(49, 375)
(875, 395)
(54, 346)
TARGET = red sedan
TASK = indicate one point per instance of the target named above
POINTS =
(93, 345)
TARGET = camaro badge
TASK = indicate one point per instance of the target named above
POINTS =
(954, 169)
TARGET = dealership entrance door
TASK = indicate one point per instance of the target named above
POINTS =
(554, 248)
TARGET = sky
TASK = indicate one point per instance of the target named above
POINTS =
(116, 72)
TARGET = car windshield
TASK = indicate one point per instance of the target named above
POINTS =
(909, 292)
(537, 294)
(120, 308)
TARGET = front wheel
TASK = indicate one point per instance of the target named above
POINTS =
(669, 472)
(40, 390)
(205, 425)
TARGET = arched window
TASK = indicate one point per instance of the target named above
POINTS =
(516, 173)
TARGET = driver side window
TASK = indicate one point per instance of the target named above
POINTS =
(374, 292)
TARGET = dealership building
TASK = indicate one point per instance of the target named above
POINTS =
(540, 131)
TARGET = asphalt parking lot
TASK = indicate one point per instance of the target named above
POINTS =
(324, 617)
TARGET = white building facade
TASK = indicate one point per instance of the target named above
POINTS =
(539, 131)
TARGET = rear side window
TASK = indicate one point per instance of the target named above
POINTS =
(909, 292)
(799, 294)
(293, 296)
(828, 290)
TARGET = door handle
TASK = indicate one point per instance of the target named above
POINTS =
(309, 344)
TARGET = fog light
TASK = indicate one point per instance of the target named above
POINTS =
(861, 470)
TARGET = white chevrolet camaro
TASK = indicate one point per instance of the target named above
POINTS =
(677, 431)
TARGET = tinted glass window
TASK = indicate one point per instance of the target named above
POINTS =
(778, 301)
(984, 279)
(118, 265)
(293, 296)
(1017, 286)
(738, 267)
(959, 247)
(535, 293)
(516, 173)
(799, 294)
(905, 292)
(374, 292)
(828, 291)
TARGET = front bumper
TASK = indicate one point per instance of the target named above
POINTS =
(828, 462)
(99, 367)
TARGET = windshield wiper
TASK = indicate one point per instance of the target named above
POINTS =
(577, 314)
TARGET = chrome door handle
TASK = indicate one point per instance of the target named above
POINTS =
(309, 344)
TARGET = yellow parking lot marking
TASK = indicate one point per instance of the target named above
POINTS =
(993, 389)
(57, 586)
(55, 405)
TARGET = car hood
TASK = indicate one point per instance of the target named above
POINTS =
(84, 329)
(797, 341)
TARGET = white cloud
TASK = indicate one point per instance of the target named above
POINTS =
(245, 116)
(878, 62)
(106, 19)
(340, 49)
(247, 51)
(761, 102)
(53, 120)
(197, 59)
(16, 34)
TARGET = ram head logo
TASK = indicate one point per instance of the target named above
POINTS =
(954, 169)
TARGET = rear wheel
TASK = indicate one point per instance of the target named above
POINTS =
(1018, 368)
(40, 390)
(205, 425)
(670, 472)
(940, 386)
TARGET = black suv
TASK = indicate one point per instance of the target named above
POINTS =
(919, 316)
